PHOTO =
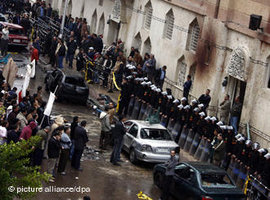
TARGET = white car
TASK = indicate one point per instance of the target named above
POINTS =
(148, 142)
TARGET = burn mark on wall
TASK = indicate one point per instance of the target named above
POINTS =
(205, 49)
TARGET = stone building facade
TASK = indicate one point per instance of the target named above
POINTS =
(209, 39)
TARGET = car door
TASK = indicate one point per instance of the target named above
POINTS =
(127, 125)
(184, 184)
(51, 78)
(131, 135)
(57, 82)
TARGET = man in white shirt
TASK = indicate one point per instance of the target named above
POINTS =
(4, 41)
(3, 132)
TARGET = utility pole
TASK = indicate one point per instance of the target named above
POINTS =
(63, 19)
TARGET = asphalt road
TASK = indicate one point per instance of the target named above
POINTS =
(106, 181)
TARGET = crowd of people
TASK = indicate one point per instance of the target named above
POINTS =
(22, 118)
(140, 79)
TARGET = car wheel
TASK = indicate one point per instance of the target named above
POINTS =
(132, 156)
(158, 180)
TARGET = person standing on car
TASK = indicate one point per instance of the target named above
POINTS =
(4, 41)
(60, 52)
(170, 166)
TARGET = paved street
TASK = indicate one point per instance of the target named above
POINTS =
(106, 181)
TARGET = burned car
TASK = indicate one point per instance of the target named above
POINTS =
(199, 181)
(67, 87)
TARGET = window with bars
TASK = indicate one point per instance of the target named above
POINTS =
(148, 15)
(137, 42)
(192, 72)
(147, 46)
(101, 25)
(194, 35)
(181, 75)
(168, 27)
(100, 2)
(94, 22)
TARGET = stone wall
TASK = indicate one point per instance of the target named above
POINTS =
(220, 37)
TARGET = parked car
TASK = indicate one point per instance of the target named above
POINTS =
(199, 181)
(3, 18)
(16, 35)
(148, 142)
(69, 87)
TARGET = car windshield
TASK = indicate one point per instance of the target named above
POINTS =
(155, 134)
(75, 81)
(13, 31)
(216, 181)
(2, 19)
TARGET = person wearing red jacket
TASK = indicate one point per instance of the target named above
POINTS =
(34, 54)
(27, 131)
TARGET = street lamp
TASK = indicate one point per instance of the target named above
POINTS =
(63, 19)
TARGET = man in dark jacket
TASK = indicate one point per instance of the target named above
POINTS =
(118, 133)
(124, 98)
(74, 124)
(26, 24)
(235, 113)
(17, 19)
(53, 153)
(170, 166)
(205, 99)
(52, 51)
(39, 149)
(187, 86)
(80, 139)
(72, 46)
(160, 76)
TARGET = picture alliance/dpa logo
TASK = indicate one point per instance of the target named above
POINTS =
(49, 189)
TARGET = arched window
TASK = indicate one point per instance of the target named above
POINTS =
(147, 46)
(93, 26)
(137, 42)
(181, 71)
(194, 35)
(168, 27)
(148, 10)
(101, 25)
